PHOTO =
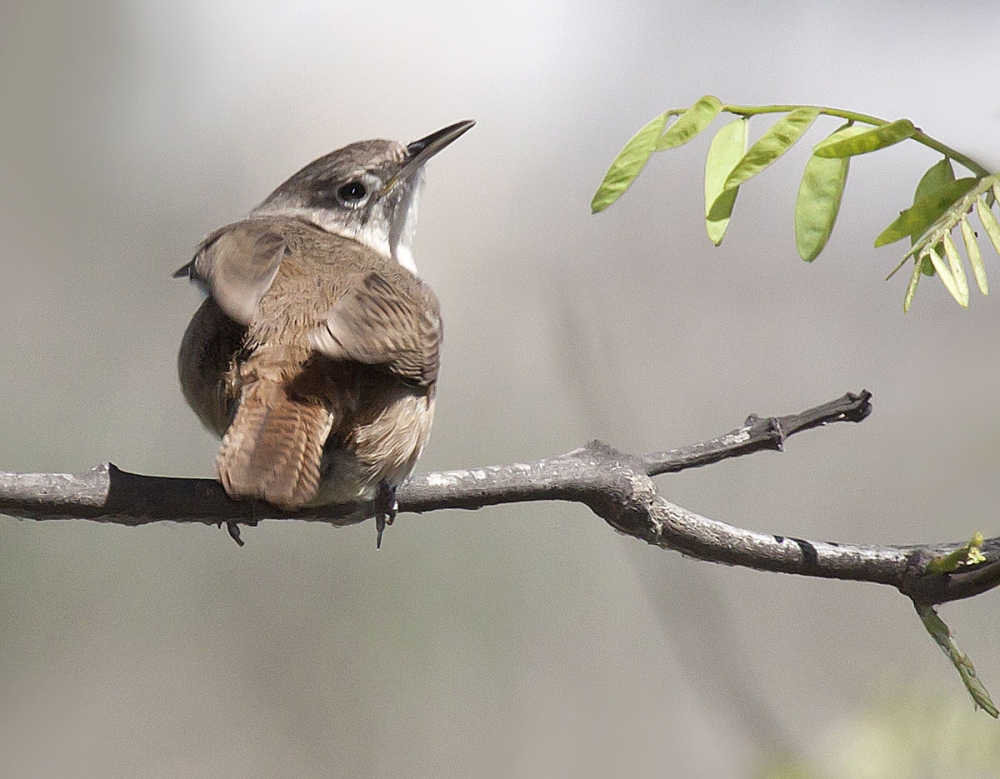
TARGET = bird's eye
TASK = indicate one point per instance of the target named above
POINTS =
(352, 193)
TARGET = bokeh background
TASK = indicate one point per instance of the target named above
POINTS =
(524, 641)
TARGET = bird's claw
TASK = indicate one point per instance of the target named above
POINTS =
(386, 508)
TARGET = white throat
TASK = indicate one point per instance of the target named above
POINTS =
(404, 228)
(398, 244)
(378, 241)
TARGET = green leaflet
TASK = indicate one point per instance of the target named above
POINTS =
(975, 256)
(626, 166)
(778, 139)
(917, 218)
(911, 289)
(691, 122)
(957, 271)
(989, 223)
(725, 151)
(818, 201)
(937, 175)
(943, 637)
(872, 140)
(945, 273)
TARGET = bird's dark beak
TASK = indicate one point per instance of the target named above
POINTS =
(418, 152)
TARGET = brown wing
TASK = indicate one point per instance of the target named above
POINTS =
(389, 319)
(237, 264)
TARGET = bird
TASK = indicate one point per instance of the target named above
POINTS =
(315, 355)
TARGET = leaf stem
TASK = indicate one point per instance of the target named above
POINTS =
(853, 116)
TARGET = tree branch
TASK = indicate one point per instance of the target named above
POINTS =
(616, 486)
(758, 434)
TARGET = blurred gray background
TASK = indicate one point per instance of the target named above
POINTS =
(526, 641)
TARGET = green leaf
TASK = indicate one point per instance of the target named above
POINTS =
(779, 138)
(869, 141)
(627, 164)
(691, 122)
(957, 271)
(945, 273)
(917, 218)
(911, 289)
(989, 223)
(942, 636)
(726, 150)
(938, 175)
(818, 201)
(975, 256)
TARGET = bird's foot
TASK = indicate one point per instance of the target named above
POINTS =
(386, 509)
(234, 532)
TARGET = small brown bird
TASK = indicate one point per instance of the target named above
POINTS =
(316, 353)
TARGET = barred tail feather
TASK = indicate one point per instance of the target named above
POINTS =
(274, 447)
